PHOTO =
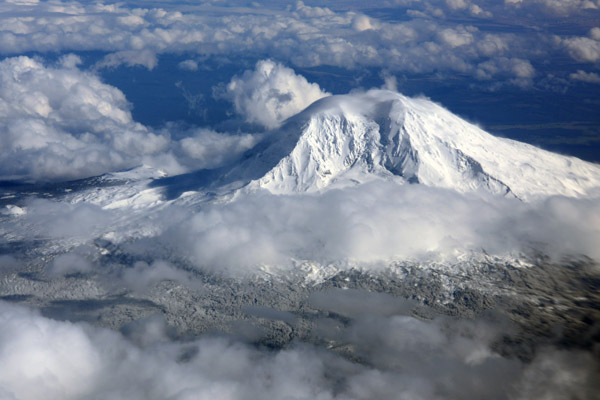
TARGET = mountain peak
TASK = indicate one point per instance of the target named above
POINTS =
(350, 139)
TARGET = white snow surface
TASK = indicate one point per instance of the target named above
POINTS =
(379, 134)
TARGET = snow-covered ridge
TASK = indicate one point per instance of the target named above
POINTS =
(355, 138)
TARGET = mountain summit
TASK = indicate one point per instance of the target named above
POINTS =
(355, 138)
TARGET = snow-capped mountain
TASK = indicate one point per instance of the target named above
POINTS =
(355, 138)
(345, 140)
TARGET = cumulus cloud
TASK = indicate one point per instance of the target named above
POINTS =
(362, 22)
(370, 227)
(68, 264)
(517, 71)
(390, 82)
(562, 8)
(440, 8)
(271, 93)
(58, 123)
(202, 148)
(308, 11)
(584, 49)
(456, 37)
(58, 220)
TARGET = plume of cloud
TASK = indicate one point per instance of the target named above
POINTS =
(271, 93)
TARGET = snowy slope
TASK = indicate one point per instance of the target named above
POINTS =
(344, 140)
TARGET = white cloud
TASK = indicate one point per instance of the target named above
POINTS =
(303, 36)
(205, 148)
(522, 69)
(492, 45)
(307, 11)
(561, 7)
(145, 58)
(188, 65)
(589, 77)
(56, 220)
(519, 71)
(271, 93)
(374, 224)
(362, 23)
(64, 123)
(42, 358)
(457, 4)
(584, 49)
(402, 356)
(556, 375)
(390, 82)
(456, 37)
(368, 226)
(482, 8)
(60, 123)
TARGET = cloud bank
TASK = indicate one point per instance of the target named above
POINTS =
(367, 227)
(59, 123)
(373, 224)
(370, 227)
(425, 39)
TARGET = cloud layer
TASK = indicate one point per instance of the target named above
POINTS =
(367, 227)
(404, 357)
(424, 39)
(373, 224)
